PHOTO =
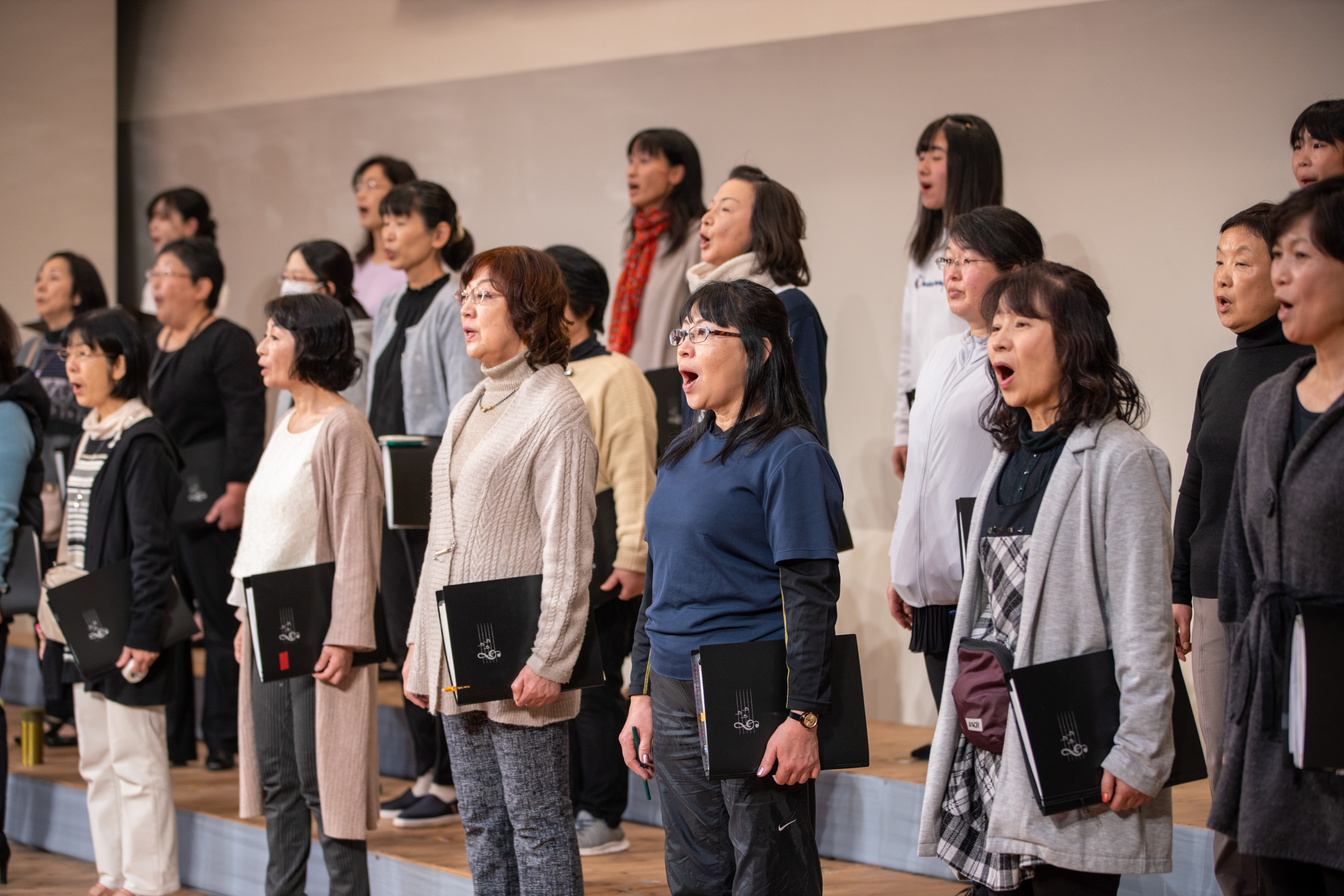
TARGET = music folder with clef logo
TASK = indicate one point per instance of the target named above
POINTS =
(488, 632)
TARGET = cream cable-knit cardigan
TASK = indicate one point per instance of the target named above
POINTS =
(524, 505)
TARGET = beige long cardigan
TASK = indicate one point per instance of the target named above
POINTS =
(524, 505)
(348, 479)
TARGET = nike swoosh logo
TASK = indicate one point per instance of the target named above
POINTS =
(787, 823)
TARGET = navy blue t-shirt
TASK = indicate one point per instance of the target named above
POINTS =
(717, 533)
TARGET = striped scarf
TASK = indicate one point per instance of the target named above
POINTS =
(650, 223)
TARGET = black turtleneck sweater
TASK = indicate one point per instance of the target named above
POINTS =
(1225, 388)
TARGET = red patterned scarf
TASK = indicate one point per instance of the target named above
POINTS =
(650, 223)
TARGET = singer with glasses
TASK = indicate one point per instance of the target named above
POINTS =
(742, 529)
(375, 278)
(513, 495)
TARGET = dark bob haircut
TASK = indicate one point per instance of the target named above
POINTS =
(201, 259)
(398, 172)
(114, 332)
(773, 399)
(586, 281)
(1323, 120)
(85, 285)
(189, 203)
(778, 228)
(1258, 219)
(687, 202)
(1001, 235)
(974, 177)
(9, 344)
(534, 288)
(1323, 202)
(324, 342)
(435, 206)
(1094, 386)
(329, 261)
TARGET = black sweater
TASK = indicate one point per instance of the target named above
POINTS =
(1225, 388)
(211, 389)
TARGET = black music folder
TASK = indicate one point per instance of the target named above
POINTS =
(289, 612)
(23, 575)
(965, 510)
(94, 612)
(1315, 681)
(605, 548)
(407, 464)
(668, 395)
(740, 690)
(488, 632)
(1068, 712)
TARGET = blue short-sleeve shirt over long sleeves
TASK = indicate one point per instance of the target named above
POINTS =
(717, 533)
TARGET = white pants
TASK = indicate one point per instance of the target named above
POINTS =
(123, 757)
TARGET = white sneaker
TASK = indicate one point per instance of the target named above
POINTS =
(597, 838)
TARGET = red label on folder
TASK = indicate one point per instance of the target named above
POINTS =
(284, 660)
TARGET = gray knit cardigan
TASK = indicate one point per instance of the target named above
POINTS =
(524, 505)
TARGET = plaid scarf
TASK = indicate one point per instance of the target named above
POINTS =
(650, 223)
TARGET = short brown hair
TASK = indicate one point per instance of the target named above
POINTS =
(1094, 386)
(534, 288)
(778, 228)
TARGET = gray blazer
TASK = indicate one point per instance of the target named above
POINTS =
(1282, 534)
(1098, 575)
(435, 368)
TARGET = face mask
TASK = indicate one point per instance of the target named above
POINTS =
(296, 287)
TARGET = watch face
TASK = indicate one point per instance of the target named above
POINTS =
(809, 720)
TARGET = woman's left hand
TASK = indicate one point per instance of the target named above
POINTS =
(1119, 796)
(227, 512)
(334, 664)
(795, 749)
(139, 660)
(530, 689)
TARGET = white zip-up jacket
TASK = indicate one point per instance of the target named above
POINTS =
(949, 454)
(925, 319)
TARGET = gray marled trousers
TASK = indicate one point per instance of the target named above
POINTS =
(513, 793)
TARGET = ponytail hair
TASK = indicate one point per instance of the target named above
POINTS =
(189, 203)
(435, 206)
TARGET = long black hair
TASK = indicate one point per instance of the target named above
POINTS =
(9, 344)
(974, 177)
(398, 172)
(773, 399)
(435, 206)
(329, 261)
(687, 202)
(1093, 385)
(586, 281)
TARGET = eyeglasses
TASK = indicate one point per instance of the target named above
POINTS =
(163, 274)
(78, 357)
(281, 278)
(372, 184)
(945, 263)
(697, 335)
(477, 296)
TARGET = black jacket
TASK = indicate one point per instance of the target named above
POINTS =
(130, 513)
(29, 395)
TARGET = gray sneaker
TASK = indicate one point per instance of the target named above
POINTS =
(597, 838)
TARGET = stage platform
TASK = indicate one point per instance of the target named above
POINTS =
(867, 822)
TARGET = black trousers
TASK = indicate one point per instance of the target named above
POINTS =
(399, 577)
(202, 559)
(1284, 877)
(741, 836)
(598, 778)
(1052, 881)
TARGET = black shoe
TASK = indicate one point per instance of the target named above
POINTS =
(394, 807)
(219, 760)
(426, 811)
(921, 753)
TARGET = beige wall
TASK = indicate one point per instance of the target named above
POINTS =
(57, 139)
(1130, 129)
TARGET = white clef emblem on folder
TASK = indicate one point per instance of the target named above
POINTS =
(288, 632)
(97, 631)
(746, 711)
(1071, 747)
(485, 648)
